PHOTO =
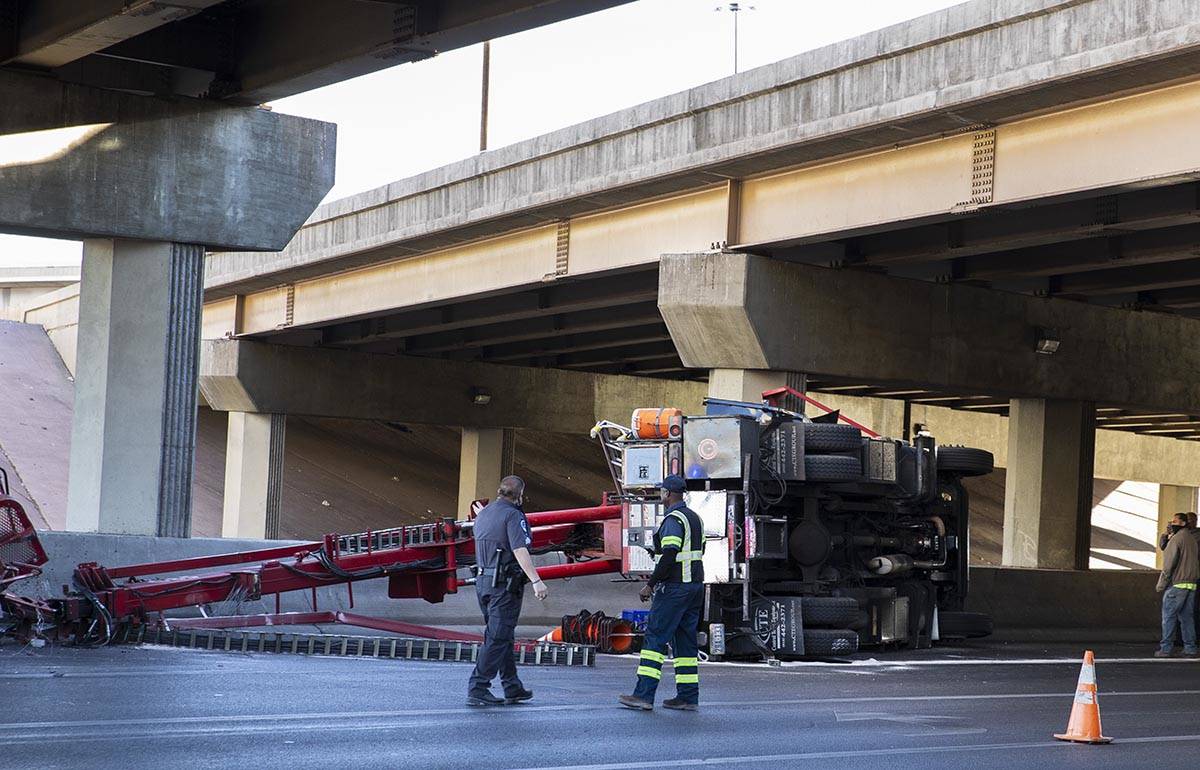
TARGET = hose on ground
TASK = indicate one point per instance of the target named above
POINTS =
(609, 635)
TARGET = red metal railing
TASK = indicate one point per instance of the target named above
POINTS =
(424, 565)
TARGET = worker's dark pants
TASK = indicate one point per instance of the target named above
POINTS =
(674, 618)
(501, 609)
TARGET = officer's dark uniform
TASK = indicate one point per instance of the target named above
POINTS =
(500, 528)
(678, 582)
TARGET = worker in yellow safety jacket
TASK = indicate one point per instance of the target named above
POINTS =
(676, 589)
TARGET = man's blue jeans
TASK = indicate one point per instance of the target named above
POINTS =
(1178, 610)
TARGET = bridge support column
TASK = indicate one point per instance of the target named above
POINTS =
(749, 384)
(738, 311)
(133, 434)
(1048, 491)
(485, 457)
(1172, 499)
(253, 475)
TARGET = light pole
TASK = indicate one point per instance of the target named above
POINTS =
(734, 9)
(483, 106)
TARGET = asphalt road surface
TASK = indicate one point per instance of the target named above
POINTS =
(147, 707)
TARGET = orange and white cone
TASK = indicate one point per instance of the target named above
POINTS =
(1084, 725)
(553, 635)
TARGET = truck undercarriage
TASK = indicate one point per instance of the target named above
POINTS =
(821, 537)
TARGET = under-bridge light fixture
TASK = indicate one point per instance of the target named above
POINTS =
(480, 396)
(1048, 342)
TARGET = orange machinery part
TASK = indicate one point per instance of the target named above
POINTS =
(661, 423)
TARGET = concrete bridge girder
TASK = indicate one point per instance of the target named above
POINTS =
(247, 376)
(732, 310)
(951, 194)
(867, 95)
(135, 167)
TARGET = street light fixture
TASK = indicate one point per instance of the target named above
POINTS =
(734, 9)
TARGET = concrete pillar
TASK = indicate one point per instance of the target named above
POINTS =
(133, 434)
(485, 457)
(1048, 491)
(749, 384)
(1172, 499)
(253, 475)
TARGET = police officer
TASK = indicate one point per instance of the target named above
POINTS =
(677, 588)
(502, 564)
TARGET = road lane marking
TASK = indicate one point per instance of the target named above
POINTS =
(876, 663)
(851, 753)
(110, 729)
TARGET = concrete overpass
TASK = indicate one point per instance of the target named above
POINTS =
(158, 151)
(980, 178)
(249, 52)
(18, 285)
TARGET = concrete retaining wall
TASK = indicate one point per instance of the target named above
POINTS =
(1023, 602)
(1043, 599)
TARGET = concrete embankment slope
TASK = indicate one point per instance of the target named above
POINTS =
(36, 392)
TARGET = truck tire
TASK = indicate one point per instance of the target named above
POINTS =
(963, 625)
(832, 468)
(964, 461)
(820, 438)
(828, 611)
(825, 642)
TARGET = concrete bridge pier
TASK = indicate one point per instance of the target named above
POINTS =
(149, 184)
(750, 384)
(1048, 490)
(486, 456)
(1172, 499)
(254, 450)
(133, 430)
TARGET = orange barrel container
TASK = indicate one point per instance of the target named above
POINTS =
(664, 422)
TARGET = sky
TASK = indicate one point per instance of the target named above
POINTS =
(414, 117)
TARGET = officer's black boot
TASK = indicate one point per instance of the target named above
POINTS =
(517, 696)
(484, 698)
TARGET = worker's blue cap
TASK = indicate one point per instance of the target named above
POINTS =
(674, 483)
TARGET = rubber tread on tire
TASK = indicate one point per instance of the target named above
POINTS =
(832, 468)
(821, 438)
(965, 461)
(824, 642)
(828, 611)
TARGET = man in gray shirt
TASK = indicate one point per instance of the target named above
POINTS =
(1180, 574)
(503, 564)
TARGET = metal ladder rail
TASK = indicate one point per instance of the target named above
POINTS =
(613, 456)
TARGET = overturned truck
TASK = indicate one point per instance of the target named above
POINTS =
(821, 536)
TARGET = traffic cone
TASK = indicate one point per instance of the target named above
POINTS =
(1084, 725)
(553, 635)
